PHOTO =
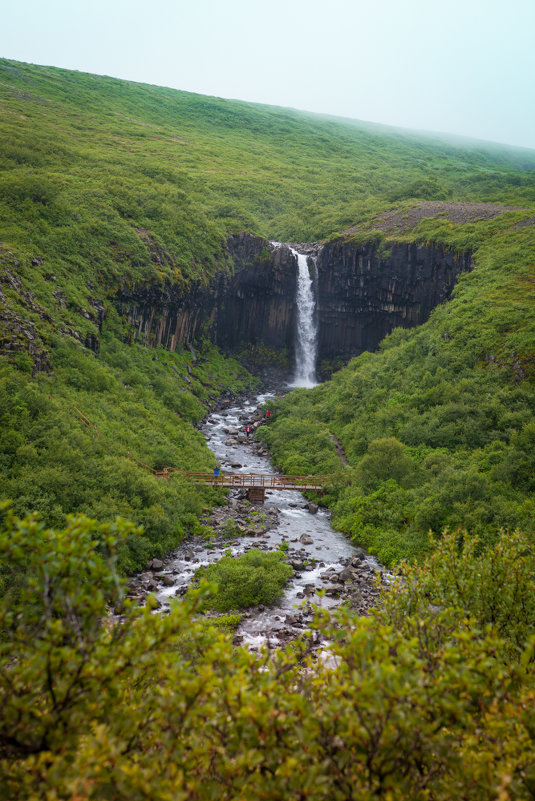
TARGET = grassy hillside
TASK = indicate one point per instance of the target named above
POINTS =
(67, 438)
(104, 182)
(438, 428)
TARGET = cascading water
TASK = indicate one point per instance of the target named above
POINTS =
(307, 332)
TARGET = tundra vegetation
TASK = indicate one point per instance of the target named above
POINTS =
(106, 183)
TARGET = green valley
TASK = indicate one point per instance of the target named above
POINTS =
(137, 269)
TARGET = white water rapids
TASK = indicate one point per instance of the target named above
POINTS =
(307, 330)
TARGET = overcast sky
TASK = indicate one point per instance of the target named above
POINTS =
(458, 66)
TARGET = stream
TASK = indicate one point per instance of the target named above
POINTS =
(322, 558)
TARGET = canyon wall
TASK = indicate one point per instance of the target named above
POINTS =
(363, 293)
(252, 305)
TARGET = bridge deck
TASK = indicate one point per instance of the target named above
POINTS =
(249, 480)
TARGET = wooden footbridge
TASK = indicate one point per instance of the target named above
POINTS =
(256, 484)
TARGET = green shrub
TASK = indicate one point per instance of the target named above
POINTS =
(416, 701)
(254, 578)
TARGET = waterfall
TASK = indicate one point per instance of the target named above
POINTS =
(307, 331)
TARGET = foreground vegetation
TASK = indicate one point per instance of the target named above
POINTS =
(430, 698)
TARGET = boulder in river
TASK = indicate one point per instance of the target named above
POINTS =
(332, 589)
(347, 574)
(313, 508)
(306, 539)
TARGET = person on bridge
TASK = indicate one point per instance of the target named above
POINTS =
(216, 471)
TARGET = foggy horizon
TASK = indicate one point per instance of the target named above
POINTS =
(465, 70)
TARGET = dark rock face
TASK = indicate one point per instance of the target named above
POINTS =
(363, 295)
(255, 305)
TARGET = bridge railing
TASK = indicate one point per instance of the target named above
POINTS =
(272, 481)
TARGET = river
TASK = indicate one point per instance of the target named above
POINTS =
(318, 553)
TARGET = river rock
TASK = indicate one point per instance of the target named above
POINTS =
(167, 580)
(332, 589)
(291, 620)
(313, 508)
(155, 564)
(306, 539)
(347, 574)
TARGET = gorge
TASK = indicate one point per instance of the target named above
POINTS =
(144, 314)
(362, 293)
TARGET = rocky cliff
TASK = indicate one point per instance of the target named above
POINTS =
(254, 304)
(363, 293)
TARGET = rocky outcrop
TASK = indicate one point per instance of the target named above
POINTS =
(364, 293)
(256, 305)
(20, 337)
(252, 305)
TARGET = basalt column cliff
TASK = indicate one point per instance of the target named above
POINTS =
(362, 294)
(253, 305)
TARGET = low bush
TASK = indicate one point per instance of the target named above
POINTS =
(424, 699)
(254, 578)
